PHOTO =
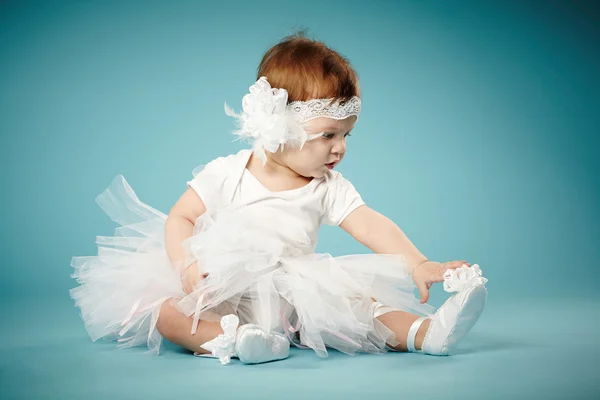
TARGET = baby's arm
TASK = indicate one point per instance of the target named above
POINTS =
(381, 235)
(180, 226)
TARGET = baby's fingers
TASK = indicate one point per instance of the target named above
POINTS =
(456, 264)
(423, 290)
(190, 280)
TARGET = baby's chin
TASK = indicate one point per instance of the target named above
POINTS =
(311, 174)
(319, 173)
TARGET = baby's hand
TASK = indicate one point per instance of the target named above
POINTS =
(190, 277)
(429, 272)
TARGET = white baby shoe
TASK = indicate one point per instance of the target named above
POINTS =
(455, 318)
(250, 343)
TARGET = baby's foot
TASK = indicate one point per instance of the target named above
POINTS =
(455, 318)
(250, 343)
(255, 346)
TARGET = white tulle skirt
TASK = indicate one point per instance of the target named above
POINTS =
(254, 271)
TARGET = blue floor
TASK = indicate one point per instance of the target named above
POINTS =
(527, 349)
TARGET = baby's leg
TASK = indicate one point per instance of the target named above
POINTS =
(400, 322)
(251, 344)
(176, 328)
(437, 334)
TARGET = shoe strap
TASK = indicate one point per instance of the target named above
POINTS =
(223, 346)
(412, 334)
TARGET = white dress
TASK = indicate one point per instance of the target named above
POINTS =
(258, 248)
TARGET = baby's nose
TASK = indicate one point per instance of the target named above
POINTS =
(339, 147)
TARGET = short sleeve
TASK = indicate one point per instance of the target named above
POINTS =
(209, 182)
(341, 199)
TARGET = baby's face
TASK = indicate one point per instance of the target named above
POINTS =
(322, 153)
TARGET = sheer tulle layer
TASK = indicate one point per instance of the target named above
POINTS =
(261, 271)
(122, 288)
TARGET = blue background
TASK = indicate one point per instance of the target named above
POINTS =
(478, 137)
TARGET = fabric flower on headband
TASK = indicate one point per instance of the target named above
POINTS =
(267, 121)
(270, 123)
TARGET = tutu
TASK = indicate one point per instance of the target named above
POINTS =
(270, 277)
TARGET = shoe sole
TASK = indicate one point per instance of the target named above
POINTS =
(472, 307)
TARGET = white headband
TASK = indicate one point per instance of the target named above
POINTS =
(270, 123)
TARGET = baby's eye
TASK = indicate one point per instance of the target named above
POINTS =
(347, 134)
(328, 135)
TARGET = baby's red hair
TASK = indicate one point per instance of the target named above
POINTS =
(308, 69)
